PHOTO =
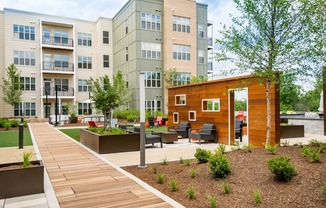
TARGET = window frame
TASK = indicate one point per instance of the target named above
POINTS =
(192, 114)
(178, 100)
(212, 110)
(175, 117)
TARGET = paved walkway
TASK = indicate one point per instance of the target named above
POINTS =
(81, 179)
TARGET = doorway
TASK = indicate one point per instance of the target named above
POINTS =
(238, 116)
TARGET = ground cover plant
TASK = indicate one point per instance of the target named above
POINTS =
(249, 173)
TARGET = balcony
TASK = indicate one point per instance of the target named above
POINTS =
(210, 43)
(58, 41)
(63, 91)
(60, 66)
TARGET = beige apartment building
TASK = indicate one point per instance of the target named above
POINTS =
(61, 53)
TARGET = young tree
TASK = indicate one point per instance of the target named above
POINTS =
(269, 37)
(108, 95)
(198, 79)
(289, 92)
(11, 87)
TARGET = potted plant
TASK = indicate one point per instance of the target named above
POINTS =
(73, 115)
(19, 179)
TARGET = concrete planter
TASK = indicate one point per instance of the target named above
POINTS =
(104, 144)
(20, 181)
(292, 131)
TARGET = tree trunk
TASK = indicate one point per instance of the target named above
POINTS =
(105, 119)
(269, 113)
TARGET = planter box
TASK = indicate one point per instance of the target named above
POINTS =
(292, 131)
(73, 120)
(20, 181)
(104, 144)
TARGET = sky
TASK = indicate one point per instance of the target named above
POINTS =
(218, 11)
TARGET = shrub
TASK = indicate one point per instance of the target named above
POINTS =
(220, 149)
(193, 173)
(187, 162)
(174, 185)
(14, 123)
(7, 125)
(27, 159)
(281, 167)
(165, 161)
(25, 123)
(202, 155)
(315, 142)
(219, 165)
(226, 187)
(191, 193)
(322, 148)
(2, 122)
(213, 201)
(154, 169)
(236, 145)
(299, 144)
(305, 151)
(311, 154)
(272, 149)
(285, 143)
(181, 160)
(246, 148)
(257, 196)
(132, 117)
(160, 178)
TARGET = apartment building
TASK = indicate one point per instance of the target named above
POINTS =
(61, 53)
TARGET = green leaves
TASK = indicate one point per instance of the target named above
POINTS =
(11, 88)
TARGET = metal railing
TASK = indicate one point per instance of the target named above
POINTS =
(58, 66)
(58, 41)
(62, 91)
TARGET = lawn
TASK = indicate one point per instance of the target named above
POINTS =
(73, 133)
(10, 138)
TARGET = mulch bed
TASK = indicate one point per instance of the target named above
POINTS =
(249, 172)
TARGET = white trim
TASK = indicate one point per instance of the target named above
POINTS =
(177, 121)
(211, 99)
(189, 117)
(180, 95)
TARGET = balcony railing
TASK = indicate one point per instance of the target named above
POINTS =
(210, 42)
(210, 66)
(58, 41)
(62, 91)
(58, 66)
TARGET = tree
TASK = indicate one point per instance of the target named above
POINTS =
(168, 76)
(108, 95)
(11, 87)
(289, 92)
(198, 79)
(269, 37)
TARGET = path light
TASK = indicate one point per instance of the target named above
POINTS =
(142, 119)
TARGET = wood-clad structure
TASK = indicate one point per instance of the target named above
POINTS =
(188, 101)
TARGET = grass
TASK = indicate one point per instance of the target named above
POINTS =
(158, 129)
(10, 138)
(73, 133)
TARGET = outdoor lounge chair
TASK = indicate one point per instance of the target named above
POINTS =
(151, 138)
(207, 133)
(182, 129)
(237, 129)
(151, 122)
(93, 124)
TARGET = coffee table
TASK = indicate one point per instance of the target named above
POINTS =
(168, 137)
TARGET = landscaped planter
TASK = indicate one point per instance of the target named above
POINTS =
(16, 180)
(104, 144)
(292, 131)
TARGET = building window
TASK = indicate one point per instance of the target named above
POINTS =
(150, 105)
(105, 37)
(181, 79)
(24, 32)
(152, 79)
(25, 109)
(24, 58)
(200, 31)
(27, 83)
(180, 99)
(127, 81)
(127, 54)
(192, 116)
(150, 50)
(85, 108)
(106, 61)
(175, 117)
(150, 21)
(62, 84)
(211, 105)
(84, 39)
(61, 37)
(181, 24)
(181, 52)
(126, 23)
(84, 85)
(201, 57)
(61, 61)
(84, 62)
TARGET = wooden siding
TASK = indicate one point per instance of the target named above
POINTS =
(257, 114)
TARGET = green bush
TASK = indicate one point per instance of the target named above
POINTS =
(14, 123)
(174, 185)
(213, 201)
(202, 155)
(191, 192)
(154, 169)
(160, 178)
(7, 125)
(272, 149)
(220, 149)
(132, 118)
(281, 167)
(257, 196)
(226, 187)
(312, 155)
(219, 165)
(2, 122)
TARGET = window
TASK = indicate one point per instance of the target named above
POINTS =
(127, 81)
(84, 108)
(24, 32)
(46, 35)
(181, 79)
(150, 105)
(84, 39)
(200, 31)
(84, 62)
(181, 52)
(105, 37)
(201, 56)
(61, 37)
(150, 50)
(106, 61)
(150, 21)
(152, 79)
(175, 117)
(181, 24)
(62, 84)
(61, 61)
(180, 99)
(127, 54)
(24, 58)
(126, 23)
(192, 116)
(84, 85)
(211, 105)
(27, 83)
(24, 109)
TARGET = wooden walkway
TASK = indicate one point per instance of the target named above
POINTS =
(81, 179)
